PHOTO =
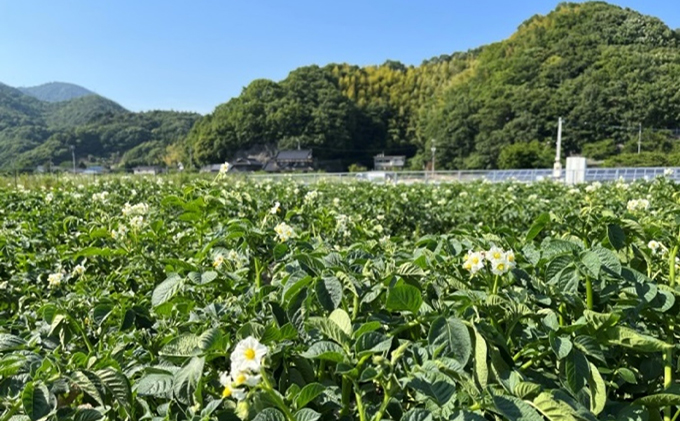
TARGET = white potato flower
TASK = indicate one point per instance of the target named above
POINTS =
(668, 172)
(474, 261)
(248, 355)
(275, 209)
(218, 260)
(224, 168)
(284, 232)
(495, 254)
(637, 205)
(654, 246)
(499, 267)
(79, 270)
(230, 391)
(54, 279)
(137, 222)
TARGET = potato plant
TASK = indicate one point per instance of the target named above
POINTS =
(226, 299)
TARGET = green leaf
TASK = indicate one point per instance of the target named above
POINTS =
(270, 414)
(118, 385)
(554, 410)
(10, 342)
(616, 236)
(308, 394)
(404, 298)
(462, 415)
(481, 367)
(329, 292)
(294, 285)
(449, 337)
(325, 350)
(627, 375)
(36, 400)
(536, 228)
(306, 414)
(372, 343)
(155, 384)
(186, 380)
(184, 346)
(367, 327)
(435, 385)
(166, 289)
(90, 384)
(592, 262)
(514, 409)
(210, 339)
(331, 330)
(659, 400)
(598, 390)
(342, 320)
(629, 338)
(576, 371)
(87, 414)
(608, 259)
(561, 345)
(417, 414)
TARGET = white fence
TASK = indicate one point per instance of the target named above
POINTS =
(528, 175)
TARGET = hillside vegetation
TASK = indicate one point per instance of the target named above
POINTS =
(34, 132)
(604, 69)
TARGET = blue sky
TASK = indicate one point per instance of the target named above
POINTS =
(194, 55)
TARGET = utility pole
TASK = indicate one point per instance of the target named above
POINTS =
(73, 154)
(433, 149)
(639, 138)
(557, 168)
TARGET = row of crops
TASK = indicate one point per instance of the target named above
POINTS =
(275, 301)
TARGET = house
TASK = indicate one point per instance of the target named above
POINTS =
(147, 170)
(384, 162)
(245, 165)
(211, 168)
(291, 160)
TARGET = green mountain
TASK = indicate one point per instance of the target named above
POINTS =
(56, 91)
(603, 68)
(35, 132)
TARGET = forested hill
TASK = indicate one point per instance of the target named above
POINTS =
(35, 132)
(56, 91)
(603, 68)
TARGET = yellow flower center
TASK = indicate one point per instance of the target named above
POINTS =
(475, 260)
(500, 266)
(249, 354)
(511, 258)
(497, 255)
(240, 379)
(226, 392)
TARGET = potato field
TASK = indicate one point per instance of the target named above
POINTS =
(225, 299)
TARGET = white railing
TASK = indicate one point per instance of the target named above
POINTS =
(525, 175)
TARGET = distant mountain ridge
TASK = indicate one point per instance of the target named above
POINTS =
(56, 91)
(39, 125)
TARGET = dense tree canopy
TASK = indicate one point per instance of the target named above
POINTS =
(604, 69)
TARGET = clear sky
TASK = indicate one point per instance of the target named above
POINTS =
(195, 54)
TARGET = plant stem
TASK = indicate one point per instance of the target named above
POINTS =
(386, 399)
(346, 392)
(589, 293)
(355, 310)
(404, 327)
(267, 386)
(668, 354)
(495, 285)
(258, 278)
(360, 406)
